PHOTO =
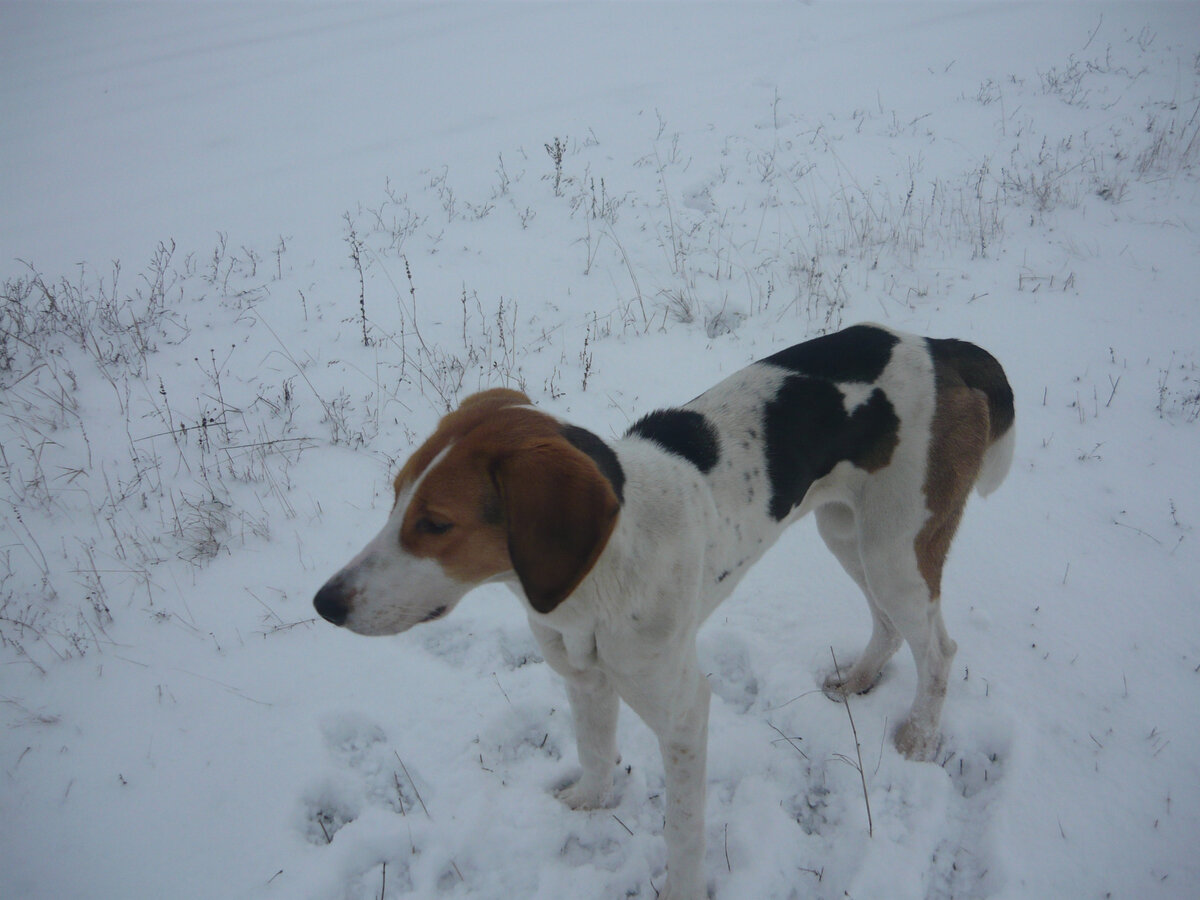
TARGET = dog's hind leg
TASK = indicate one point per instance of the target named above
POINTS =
(896, 581)
(837, 527)
(905, 573)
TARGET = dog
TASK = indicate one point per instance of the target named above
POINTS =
(620, 550)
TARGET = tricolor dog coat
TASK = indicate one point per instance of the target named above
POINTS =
(620, 549)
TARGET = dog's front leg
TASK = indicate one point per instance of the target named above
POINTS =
(676, 709)
(685, 755)
(594, 706)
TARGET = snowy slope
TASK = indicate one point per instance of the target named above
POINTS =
(209, 207)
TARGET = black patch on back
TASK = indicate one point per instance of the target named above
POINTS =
(962, 362)
(859, 353)
(682, 432)
(808, 432)
(600, 453)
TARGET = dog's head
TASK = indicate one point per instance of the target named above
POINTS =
(497, 492)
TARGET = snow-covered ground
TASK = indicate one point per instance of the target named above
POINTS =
(208, 207)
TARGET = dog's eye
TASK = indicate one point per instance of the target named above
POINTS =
(426, 525)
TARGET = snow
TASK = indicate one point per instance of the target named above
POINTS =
(193, 435)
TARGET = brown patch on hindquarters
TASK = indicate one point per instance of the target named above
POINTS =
(959, 437)
(963, 363)
(516, 495)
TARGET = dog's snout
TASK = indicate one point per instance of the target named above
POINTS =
(333, 602)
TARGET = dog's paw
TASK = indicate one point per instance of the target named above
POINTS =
(587, 794)
(916, 742)
(678, 889)
(853, 682)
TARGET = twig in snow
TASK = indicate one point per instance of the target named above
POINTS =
(1095, 31)
(789, 740)
(496, 679)
(1139, 531)
(414, 785)
(623, 825)
(1114, 390)
(404, 813)
(857, 746)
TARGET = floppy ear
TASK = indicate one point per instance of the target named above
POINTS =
(495, 398)
(559, 512)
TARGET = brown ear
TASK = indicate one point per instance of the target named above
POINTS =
(496, 398)
(559, 512)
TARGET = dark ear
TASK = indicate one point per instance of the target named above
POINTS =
(559, 512)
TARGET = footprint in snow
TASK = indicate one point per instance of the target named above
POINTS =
(350, 737)
(965, 863)
(366, 771)
(326, 807)
(975, 770)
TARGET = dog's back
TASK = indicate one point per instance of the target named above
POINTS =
(829, 420)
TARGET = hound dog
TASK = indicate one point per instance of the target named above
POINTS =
(620, 550)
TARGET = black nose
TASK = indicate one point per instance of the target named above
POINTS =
(332, 602)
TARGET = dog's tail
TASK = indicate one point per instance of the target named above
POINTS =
(979, 370)
(996, 462)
